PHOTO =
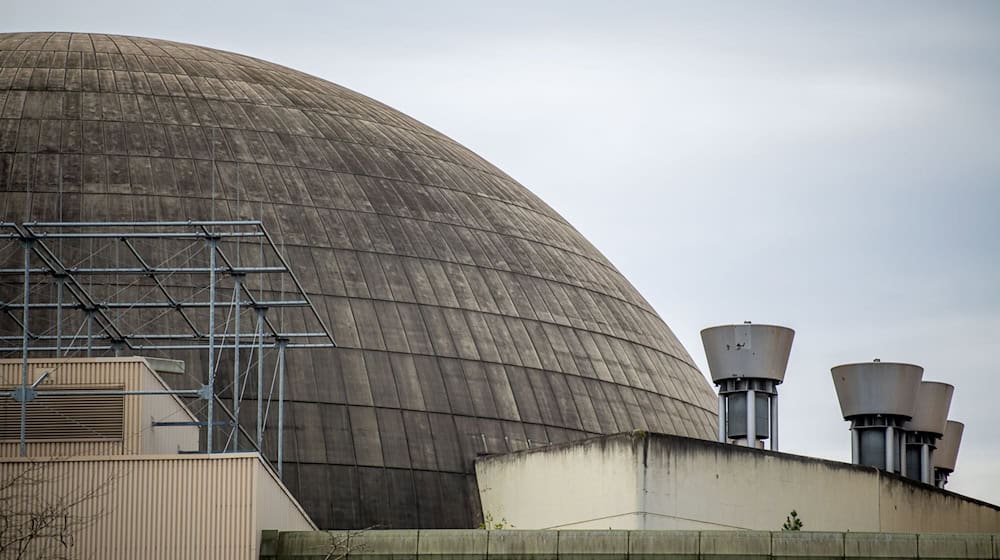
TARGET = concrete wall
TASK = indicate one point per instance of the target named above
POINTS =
(652, 481)
(593, 485)
(621, 545)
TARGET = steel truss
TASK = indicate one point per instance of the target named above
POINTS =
(139, 288)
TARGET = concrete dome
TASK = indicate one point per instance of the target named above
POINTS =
(471, 317)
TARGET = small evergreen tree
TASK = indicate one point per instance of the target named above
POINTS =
(792, 522)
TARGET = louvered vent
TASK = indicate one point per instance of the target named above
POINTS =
(65, 418)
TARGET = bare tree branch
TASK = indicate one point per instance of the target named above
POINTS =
(33, 518)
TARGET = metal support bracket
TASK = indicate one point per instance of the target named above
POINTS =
(205, 392)
(24, 394)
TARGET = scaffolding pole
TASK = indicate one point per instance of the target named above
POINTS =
(212, 243)
(281, 406)
(260, 377)
(23, 448)
(238, 280)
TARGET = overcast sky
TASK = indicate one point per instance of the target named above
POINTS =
(830, 167)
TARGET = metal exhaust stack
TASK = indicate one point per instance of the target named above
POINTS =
(930, 417)
(877, 398)
(946, 454)
(748, 362)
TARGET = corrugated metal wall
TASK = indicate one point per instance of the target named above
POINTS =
(111, 374)
(106, 373)
(141, 507)
(165, 439)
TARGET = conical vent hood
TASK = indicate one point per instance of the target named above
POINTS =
(747, 351)
(877, 387)
(946, 454)
(930, 415)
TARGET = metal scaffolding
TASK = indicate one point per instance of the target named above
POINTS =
(145, 288)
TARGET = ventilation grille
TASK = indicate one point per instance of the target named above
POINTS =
(65, 418)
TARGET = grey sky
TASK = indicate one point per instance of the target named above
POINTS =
(830, 167)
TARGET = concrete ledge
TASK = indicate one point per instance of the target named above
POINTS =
(523, 545)
(478, 544)
(593, 545)
(735, 545)
(880, 545)
(672, 545)
(300, 544)
(801, 545)
(954, 546)
(382, 545)
(452, 544)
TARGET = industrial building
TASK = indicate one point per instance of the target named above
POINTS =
(469, 317)
(370, 325)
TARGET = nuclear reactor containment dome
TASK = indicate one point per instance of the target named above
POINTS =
(470, 317)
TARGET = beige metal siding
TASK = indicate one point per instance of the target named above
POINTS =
(79, 417)
(131, 374)
(150, 507)
(165, 439)
(63, 448)
(106, 373)
(276, 509)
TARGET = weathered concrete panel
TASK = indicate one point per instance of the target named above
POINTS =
(880, 545)
(940, 546)
(735, 545)
(913, 507)
(383, 545)
(593, 545)
(457, 544)
(672, 545)
(523, 545)
(795, 545)
(626, 545)
(549, 489)
(317, 544)
(654, 481)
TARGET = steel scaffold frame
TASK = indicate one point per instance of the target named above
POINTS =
(113, 314)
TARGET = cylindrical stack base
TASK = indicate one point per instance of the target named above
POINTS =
(876, 441)
(748, 412)
(920, 448)
(941, 477)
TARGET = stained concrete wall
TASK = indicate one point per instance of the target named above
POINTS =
(653, 481)
(621, 545)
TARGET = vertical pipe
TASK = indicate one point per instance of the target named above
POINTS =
(23, 448)
(90, 332)
(774, 422)
(260, 380)
(925, 463)
(902, 453)
(722, 418)
(59, 302)
(236, 363)
(890, 445)
(211, 341)
(855, 445)
(281, 405)
(751, 418)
